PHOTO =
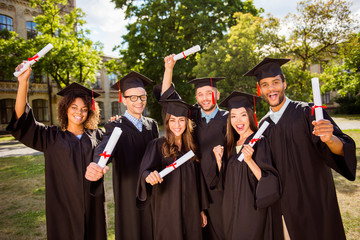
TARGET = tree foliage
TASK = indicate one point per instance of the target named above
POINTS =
(317, 30)
(74, 56)
(160, 28)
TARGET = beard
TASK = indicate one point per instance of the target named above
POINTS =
(210, 108)
(281, 99)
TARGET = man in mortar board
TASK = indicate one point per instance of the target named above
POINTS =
(137, 131)
(210, 131)
(304, 151)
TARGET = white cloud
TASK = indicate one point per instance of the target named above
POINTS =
(106, 23)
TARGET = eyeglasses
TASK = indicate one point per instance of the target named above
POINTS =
(134, 98)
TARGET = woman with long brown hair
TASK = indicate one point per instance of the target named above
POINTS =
(178, 200)
(251, 185)
(71, 211)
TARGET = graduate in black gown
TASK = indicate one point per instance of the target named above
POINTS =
(209, 132)
(137, 131)
(304, 151)
(71, 211)
(177, 200)
(252, 185)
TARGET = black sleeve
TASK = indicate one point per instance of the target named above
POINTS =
(151, 161)
(268, 189)
(30, 132)
(344, 165)
(170, 93)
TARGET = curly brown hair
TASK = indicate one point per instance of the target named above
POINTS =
(65, 102)
(232, 136)
(169, 148)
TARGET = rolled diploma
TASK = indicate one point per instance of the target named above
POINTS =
(176, 164)
(39, 55)
(256, 136)
(317, 99)
(115, 135)
(187, 52)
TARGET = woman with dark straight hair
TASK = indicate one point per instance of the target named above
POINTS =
(71, 211)
(178, 200)
(251, 186)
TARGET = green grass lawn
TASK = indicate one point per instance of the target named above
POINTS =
(22, 208)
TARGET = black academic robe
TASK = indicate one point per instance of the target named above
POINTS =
(308, 203)
(246, 200)
(176, 203)
(71, 212)
(207, 136)
(130, 222)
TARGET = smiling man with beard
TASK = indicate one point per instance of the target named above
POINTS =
(304, 151)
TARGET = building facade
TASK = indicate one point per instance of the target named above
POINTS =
(17, 15)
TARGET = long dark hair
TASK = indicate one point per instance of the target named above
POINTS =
(169, 148)
(232, 136)
(65, 102)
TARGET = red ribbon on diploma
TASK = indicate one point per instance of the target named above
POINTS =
(313, 108)
(104, 155)
(173, 164)
(254, 140)
(184, 55)
(34, 58)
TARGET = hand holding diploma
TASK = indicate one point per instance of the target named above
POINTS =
(33, 60)
(94, 172)
(154, 178)
(104, 157)
(255, 138)
(176, 164)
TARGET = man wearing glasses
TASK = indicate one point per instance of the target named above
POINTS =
(137, 131)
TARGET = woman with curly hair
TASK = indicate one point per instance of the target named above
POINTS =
(71, 211)
(178, 201)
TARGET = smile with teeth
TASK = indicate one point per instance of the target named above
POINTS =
(78, 118)
(240, 126)
(273, 96)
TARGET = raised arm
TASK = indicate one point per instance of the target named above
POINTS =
(21, 96)
(169, 66)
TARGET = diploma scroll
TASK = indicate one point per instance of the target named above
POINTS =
(34, 59)
(176, 164)
(187, 52)
(255, 138)
(317, 99)
(115, 135)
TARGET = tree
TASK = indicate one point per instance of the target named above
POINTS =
(74, 56)
(164, 27)
(317, 30)
(345, 78)
(11, 53)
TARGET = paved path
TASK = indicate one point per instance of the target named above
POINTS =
(14, 148)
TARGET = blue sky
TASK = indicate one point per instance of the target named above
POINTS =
(107, 24)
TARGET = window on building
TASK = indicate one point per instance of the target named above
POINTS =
(41, 110)
(37, 77)
(102, 113)
(30, 29)
(112, 79)
(97, 84)
(7, 107)
(115, 108)
(326, 98)
(6, 23)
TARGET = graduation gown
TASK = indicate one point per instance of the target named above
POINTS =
(130, 222)
(71, 212)
(207, 136)
(308, 203)
(176, 203)
(246, 200)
